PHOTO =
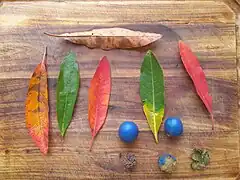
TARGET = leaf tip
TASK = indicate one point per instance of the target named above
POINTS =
(104, 60)
(180, 41)
(149, 52)
(71, 53)
(104, 64)
(70, 56)
(181, 44)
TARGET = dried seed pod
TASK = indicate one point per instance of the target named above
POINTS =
(201, 159)
(129, 160)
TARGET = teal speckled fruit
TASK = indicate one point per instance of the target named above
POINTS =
(167, 163)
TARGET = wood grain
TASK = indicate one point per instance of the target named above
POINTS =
(35, 13)
(238, 70)
(207, 26)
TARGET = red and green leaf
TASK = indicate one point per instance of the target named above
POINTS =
(37, 118)
(99, 95)
(197, 75)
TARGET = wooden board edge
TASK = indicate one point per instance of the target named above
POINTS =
(234, 5)
(229, 4)
(237, 1)
(238, 79)
(238, 177)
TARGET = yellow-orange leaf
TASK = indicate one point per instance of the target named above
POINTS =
(37, 118)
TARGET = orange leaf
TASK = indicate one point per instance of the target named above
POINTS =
(99, 94)
(37, 120)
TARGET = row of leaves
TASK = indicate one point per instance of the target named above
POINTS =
(37, 109)
(152, 86)
(151, 93)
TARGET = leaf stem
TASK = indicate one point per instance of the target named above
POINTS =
(54, 35)
(65, 36)
(44, 57)
(156, 137)
(91, 143)
(212, 121)
(153, 98)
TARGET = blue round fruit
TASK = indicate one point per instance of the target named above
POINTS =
(167, 163)
(128, 131)
(173, 126)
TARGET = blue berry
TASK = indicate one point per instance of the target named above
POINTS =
(173, 126)
(128, 131)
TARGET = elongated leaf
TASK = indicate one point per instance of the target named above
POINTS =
(37, 117)
(98, 97)
(67, 91)
(197, 75)
(152, 92)
(110, 38)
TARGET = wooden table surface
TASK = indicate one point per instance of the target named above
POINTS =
(209, 27)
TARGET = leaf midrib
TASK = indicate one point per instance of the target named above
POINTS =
(39, 94)
(65, 103)
(153, 95)
(64, 112)
(96, 112)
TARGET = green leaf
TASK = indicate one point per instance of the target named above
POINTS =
(152, 92)
(67, 91)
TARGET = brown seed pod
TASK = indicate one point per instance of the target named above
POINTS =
(129, 160)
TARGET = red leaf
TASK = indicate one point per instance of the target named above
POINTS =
(98, 97)
(197, 75)
(37, 118)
